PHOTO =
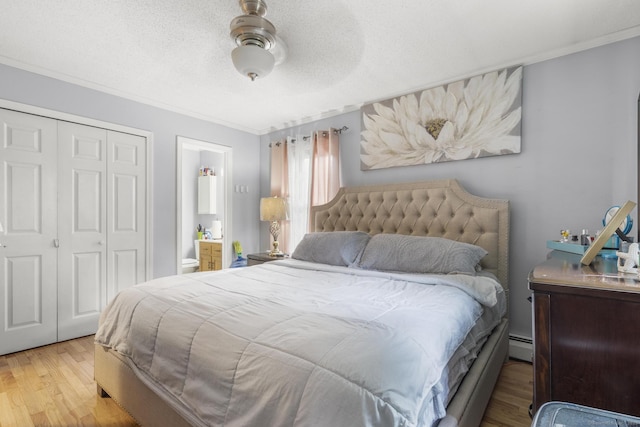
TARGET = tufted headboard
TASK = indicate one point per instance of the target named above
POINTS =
(432, 208)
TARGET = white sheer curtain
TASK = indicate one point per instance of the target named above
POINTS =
(325, 176)
(299, 151)
(306, 171)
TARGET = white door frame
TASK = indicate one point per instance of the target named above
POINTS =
(184, 143)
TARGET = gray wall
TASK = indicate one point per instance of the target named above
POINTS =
(579, 157)
(33, 89)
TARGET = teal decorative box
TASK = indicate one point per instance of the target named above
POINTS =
(576, 248)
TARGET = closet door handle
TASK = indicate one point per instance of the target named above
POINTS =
(100, 242)
(56, 243)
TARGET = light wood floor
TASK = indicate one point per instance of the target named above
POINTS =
(509, 404)
(53, 386)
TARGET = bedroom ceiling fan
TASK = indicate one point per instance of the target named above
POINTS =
(258, 49)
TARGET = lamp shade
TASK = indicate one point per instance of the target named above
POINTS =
(252, 61)
(273, 209)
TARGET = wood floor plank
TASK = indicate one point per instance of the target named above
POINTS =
(53, 386)
(509, 404)
(17, 409)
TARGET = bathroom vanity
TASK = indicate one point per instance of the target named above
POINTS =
(210, 255)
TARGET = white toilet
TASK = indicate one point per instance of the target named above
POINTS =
(191, 265)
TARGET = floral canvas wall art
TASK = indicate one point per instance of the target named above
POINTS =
(467, 119)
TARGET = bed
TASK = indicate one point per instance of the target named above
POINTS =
(337, 316)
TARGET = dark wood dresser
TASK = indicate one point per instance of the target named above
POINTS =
(586, 334)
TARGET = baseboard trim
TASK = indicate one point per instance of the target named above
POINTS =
(521, 348)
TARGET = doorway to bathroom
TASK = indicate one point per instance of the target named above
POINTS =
(192, 157)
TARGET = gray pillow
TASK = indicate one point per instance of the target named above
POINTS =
(416, 254)
(333, 248)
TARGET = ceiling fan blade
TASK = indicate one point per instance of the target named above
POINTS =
(279, 51)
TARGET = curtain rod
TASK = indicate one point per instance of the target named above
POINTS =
(324, 133)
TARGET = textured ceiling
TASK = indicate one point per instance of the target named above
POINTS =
(175, 54)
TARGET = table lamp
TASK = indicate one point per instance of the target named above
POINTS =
(273, 209)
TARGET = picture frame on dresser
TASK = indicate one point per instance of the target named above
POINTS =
(607, 232)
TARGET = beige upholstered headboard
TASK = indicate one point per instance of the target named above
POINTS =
(433, 208)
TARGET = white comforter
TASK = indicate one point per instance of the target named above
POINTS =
(290, 343)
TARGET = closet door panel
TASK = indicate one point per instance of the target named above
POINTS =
(86, 279)
(126, 233)
(24, 290)
(23, 187)
(82, 227)
(28, 257)
(87, 204)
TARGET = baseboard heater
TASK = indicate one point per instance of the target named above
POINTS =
(521, 348)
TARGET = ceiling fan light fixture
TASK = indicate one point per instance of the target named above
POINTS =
(254, 36)
(253, 29)
(252, 61)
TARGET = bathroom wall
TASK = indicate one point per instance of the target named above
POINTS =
(192, 160)
(215, 161)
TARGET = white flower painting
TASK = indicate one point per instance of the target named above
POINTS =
(467, 119)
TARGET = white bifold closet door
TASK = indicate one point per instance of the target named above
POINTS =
(100, 222)
(29, 216)
(75, 204)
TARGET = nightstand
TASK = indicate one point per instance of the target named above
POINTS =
(262, 257)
